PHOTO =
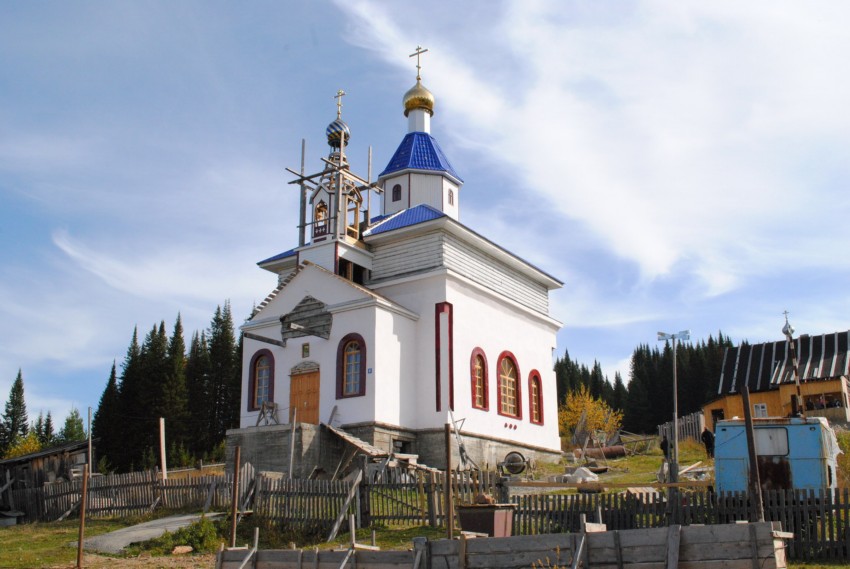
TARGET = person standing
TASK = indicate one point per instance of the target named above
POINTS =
(665, 446)
(708, 440)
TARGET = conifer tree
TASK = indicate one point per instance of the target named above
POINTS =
(106, 423)
(175, 396)
(224, 373)
(199, 388)
(619, 394)
(38, 428)
(15, 422)
(49, 431)
(129, 390)
(153, 363)
(73, 431)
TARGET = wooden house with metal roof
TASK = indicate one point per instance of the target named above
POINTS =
(822, 370)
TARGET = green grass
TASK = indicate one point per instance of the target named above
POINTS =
(47, 544)
(638, 469)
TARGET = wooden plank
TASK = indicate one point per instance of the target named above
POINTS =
(354, 487)
(673, 535)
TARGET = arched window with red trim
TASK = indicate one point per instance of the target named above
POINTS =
(510, 396)
(351, 367)
(478, 380)
(535, 397)
(261, 384)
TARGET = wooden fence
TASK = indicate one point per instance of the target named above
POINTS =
(420, 497)
(134, 493)
(819, 521)
(690, 427)
(313, 504)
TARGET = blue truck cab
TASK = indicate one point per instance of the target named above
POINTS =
(792, 453)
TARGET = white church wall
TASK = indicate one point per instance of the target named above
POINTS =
(310, 281)
(426, 189)
(395, 338)
(356, 409)
(419, 295)
(451, 206)
(390, 206)
(482, 321)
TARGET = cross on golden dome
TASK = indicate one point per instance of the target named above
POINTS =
(419, 51)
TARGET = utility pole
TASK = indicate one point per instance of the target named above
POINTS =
(162, 448)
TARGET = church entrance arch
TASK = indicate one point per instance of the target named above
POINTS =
(304, 395)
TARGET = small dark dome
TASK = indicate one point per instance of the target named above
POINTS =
(335, 132)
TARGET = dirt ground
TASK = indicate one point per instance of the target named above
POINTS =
(95, 561)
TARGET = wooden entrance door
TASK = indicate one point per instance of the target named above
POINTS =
(304, 396)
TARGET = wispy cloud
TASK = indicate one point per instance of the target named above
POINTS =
(668, 132)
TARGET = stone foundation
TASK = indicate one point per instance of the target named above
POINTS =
(267, 447)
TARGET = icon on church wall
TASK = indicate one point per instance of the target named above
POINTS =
(305, 350)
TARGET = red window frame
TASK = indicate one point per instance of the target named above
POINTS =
(340, 367)
(506, 355)
(252, 384)
(476, 354)
(534, 379)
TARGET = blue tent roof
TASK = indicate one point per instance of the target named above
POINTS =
(419, 151)
(405, 218)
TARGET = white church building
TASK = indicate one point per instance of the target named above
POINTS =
(390, 312)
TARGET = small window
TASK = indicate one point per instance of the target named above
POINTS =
(760, 410)
(397, 193)
(478, 380)
(771, 441)
(320, 226)
(535, 398)
(509, 394)
(351, 367)
(451, 197)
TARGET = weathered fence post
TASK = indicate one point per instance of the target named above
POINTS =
(431, 499)
(420, 546)
(502, 490)
(363, 494)
(234, 500)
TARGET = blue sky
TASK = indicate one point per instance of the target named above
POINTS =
(679, 165)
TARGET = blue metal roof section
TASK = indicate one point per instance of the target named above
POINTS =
(419, 151)
(278, 257)
(405, 218)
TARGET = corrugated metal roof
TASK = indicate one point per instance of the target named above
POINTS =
(405, 218)
(764, 366)
(419, 151)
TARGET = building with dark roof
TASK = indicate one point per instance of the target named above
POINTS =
(769, 371)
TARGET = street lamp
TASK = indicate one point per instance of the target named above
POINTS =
(674, 456)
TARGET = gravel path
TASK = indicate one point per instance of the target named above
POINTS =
(115, 542)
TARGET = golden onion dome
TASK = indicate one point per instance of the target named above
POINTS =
(418, 97)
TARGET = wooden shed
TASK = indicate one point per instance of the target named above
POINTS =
(49, 465)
